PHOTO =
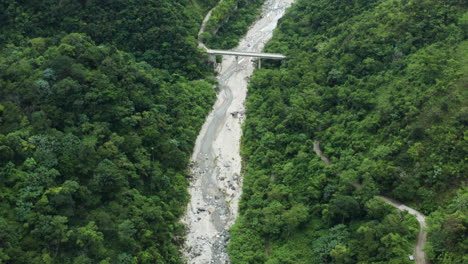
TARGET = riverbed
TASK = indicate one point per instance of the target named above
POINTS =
(216, 185)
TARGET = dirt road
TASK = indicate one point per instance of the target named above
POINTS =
(418, 253)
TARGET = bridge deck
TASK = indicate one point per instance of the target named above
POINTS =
(247, 54)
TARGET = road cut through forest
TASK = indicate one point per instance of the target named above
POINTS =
(419, 254)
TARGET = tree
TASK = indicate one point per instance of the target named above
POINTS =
(344, 207)
(108, 179)
(89, 238)
(126, 230)
(377, 209)
(295, 216)
(51, 231)
(341, 255)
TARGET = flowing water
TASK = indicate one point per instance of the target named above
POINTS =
(216, 164)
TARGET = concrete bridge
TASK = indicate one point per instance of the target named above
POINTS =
(274, 56)
(214, 52)
(259, 55)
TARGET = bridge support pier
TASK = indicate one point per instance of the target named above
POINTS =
(259, 63)
(212, 59)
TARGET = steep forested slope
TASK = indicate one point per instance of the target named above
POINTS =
(163, 33)
(383, 85)
(94, 141)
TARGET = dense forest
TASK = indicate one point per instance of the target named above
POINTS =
(382, 84)
(162, 33)
(101, 102)
(100, 105)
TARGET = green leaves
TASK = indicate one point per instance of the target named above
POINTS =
(51, 231)
(108, 179)
(89, 237)
(85, 129)
(447, 231)
(380, 84)
(157, 27)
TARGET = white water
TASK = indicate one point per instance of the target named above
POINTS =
(217, 182)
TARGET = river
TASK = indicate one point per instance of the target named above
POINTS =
(216, 186)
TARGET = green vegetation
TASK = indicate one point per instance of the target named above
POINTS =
(382, 84)
(101, 102)
(162, 33)
(221, 14)
(447, 227)
(96, 128)
(229, 21)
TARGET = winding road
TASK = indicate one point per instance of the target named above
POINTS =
(418, 253)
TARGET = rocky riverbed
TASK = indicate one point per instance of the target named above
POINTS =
(216, 184)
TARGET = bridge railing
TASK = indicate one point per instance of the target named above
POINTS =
(276, 56)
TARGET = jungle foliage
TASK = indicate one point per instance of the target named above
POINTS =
(162, 33)
(382, 84)
(96, 128)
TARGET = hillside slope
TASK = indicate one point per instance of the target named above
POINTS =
(100, 105)
(162, 33)
(382, 85)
